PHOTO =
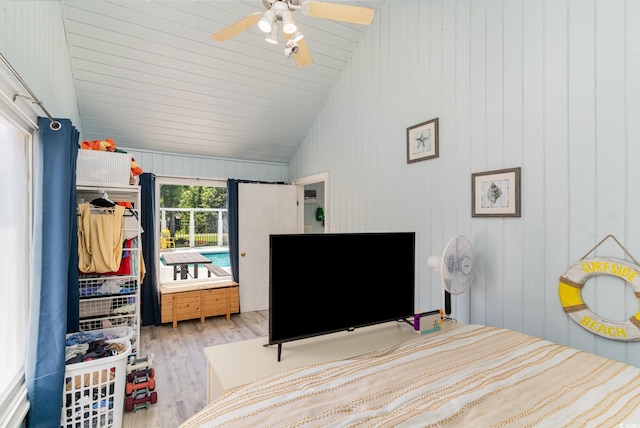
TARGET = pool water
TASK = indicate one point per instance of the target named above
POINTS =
(220, 259)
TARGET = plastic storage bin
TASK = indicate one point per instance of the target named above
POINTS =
(93, 394)
(101, 168)
(120, 332)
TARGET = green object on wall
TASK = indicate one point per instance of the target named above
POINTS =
(320, 214)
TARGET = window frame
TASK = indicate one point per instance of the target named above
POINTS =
(13, 396)
(178, 181)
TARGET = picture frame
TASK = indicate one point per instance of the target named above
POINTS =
(422, 141)
(496, 193)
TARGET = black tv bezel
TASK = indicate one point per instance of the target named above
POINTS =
(381, 236)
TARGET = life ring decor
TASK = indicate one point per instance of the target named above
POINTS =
(570, 290)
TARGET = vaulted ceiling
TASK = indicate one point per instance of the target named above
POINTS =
(149, 75)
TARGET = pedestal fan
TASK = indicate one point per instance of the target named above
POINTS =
(456, 266)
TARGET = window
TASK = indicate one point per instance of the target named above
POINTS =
(192, 214)
(15, 230)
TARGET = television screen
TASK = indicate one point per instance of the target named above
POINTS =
(324, 283)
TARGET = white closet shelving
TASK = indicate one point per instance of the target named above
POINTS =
(113, 300)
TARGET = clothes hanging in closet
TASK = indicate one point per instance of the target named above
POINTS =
(100, 238)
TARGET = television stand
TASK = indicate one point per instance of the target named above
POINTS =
(279, 350)
(234, 364)
(349, 330)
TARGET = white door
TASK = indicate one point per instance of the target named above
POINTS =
(263, 209)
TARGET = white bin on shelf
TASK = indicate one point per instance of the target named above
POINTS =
(101, 168)
(93, 394)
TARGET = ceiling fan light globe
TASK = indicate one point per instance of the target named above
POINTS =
(288, 24)
(266, 22)
(289, 28)
(264, 25)
(272, 37)
(305, 7)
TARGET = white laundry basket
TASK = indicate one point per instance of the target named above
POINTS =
(93, 394)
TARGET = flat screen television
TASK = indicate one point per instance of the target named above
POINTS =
(325, 283)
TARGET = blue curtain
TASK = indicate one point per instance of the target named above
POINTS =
(149, 310)
(232, 212)
(54, 277)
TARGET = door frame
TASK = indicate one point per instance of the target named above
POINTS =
(322, 177)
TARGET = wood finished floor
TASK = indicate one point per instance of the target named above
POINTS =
(181, 366)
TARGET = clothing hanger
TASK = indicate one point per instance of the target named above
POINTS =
(103, 201)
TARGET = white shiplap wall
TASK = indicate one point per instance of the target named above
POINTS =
(32, 40)
(178, 165)
(550, 86)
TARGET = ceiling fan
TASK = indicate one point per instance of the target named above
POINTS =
(279, 15)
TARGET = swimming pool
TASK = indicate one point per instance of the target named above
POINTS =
(220, 258)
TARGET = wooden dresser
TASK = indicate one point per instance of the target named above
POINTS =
(192, 301)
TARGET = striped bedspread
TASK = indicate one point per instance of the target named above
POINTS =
(469, 376)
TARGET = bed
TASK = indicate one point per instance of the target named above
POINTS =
(471, 375)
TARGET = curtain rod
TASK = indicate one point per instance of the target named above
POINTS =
(54, 124)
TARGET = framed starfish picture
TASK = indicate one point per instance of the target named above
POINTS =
(422, 141)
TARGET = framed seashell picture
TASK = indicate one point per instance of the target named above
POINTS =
(496, 193)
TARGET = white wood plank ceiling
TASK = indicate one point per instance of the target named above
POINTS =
(149, 76)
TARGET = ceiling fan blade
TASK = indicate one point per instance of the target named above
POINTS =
(237, 28)
(339, 12)
(303, 56)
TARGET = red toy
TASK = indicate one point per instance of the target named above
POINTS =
(140, 373)
(140, 383)
(140, 399)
